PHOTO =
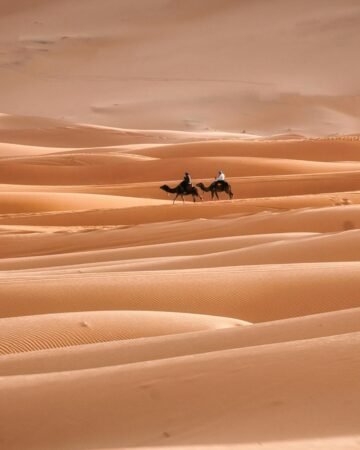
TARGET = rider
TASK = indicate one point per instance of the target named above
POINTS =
(220, 178)
(186, 182)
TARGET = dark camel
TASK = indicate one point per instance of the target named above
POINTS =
(218, 186)
(179, 191)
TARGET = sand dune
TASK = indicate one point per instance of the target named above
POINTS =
(264, 249)
(179, 248)
(320, 149)
(61, 134)
(196, 212)
(235, 158)
(18, 151)
(314, 288)
(306, 249)
(127, 321)
(111, 295)
(324, 443)
(118, 352)
(29, 203)
(286, 393)
(32, 333)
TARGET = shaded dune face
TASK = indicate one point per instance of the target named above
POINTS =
(127, 321)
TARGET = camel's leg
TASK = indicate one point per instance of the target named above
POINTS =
(217, 196)
(183, 198)
(176, 196)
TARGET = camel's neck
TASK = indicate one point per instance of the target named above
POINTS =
(170, 190)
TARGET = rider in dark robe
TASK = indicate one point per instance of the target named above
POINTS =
(186, 183)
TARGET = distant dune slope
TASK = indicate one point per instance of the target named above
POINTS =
(155, 64)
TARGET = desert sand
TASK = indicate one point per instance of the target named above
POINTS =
(127, 321)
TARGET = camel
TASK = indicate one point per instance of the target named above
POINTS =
(214, 188)
(178, 190)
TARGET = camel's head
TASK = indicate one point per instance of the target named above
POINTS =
(165, 188)
(200, 185)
